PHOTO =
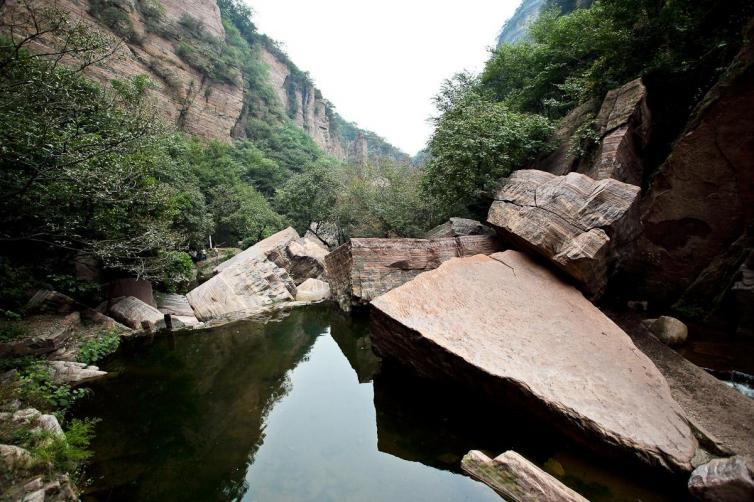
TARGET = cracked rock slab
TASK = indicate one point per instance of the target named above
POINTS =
(577, 223)
(506, 326)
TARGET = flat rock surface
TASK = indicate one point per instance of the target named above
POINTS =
(132, 312)
(573, 221)
(506, 325)
(724, 413)
(363, 269)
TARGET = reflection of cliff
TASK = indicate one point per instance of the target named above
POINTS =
(353, 340)
(198, 399)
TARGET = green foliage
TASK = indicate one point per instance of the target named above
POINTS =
(78, 289)
(35, 387)
(65, 453)
(101, 345)
(113, 15)
(11, 331)
(309, 196)
(478, 141)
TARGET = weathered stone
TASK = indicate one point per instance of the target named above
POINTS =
(743, 292)
(69, 372)
(14, 458)
(701, 201)
(177, 306)
(50, 424)
(456, 227)
(563, 160)
(53, 302)
(261, 249)
(249, 284)
(724, 480)
(363, 269)
(325, 232)
(516, 479)
(668, 330)
(508, 327)
(574, 221)
(130, 286)
(46, 333)
(312, 290)
(302, 258)
(133, 312)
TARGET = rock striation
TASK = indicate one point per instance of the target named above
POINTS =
(506, 326)
(575, 222)
(724, 480)
(456, 227)
(516, 479)
(363, 269)
(134, 313)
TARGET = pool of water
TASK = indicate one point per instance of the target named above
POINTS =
(301, 410)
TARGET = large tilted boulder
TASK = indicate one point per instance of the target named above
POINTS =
(303, 258)
(506, 326)
(261, 249)
(699, 207)
(363, 269)
(252, 283)
(133, 312)
(312, 290)
(623, 126)
(177, 306)
(456, 227)
(724, 480)
(516, 479)
(574, 221)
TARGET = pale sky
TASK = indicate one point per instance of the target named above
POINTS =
(380, 62)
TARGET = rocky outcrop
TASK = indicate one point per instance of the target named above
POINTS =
(312, 290)
(72, 373)
(177, 306)
(302, 258)
(456, 227)
(506, 326)
(701, 201)
(516, 479)
(363, 269)
(44, 334)
(724, 480)
(566, 155)
(575, 222)
(274, 243)
(134, 313)
(623, 125)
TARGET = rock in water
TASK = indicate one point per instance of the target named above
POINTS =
(516, 479)
(724, 480)
(506, 325)
(574, 221)
(363, 269)
(668, 330)
(456, 227)
(133, 312)
(312, 290)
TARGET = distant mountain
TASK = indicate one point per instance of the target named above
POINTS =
(528, 11)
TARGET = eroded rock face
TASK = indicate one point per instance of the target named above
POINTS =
(69, 372)
(506, 326)
(574, 221)
(623, 124)
(178, 307)
(724, 480)
(516, 479)
(701, 201)
(133, 312)
(312, 290)
(564, 159)
(302, 258)
(363, 269)
(456, 227)
(276, 242)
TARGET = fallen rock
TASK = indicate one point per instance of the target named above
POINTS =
(53, 302)
(45, 333)
(363, 269)
(177, 306)
(50, 424)
(325, 232)
(701, 200)
(574, 221)
(564, 158)
(516, 479)
(133, 312)
(14, 458)
(312, 290)
(302, 258)
(261, 249)
(623, 125)
(456, 227)
(248, 285)
(507, 326)
(130, 286)
(724, 480)
(73, 373)
(668, 330)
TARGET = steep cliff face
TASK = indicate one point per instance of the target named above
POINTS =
(180, 45)
(528, 11)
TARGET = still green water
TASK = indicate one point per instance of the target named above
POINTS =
(299, 410)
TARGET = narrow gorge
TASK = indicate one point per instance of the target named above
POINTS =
(215, 287)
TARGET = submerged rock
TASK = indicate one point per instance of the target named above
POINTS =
(363, 269)
(507, 326)
(668, 330)
(456, 227)
(312, 290)
(724, 480)
(516, 479)
(133, 312)
(574, 221)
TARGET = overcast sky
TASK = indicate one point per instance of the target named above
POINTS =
(381, 61)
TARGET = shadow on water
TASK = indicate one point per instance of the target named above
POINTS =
(284, 411)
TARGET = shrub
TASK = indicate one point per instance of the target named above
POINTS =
(98, 347)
